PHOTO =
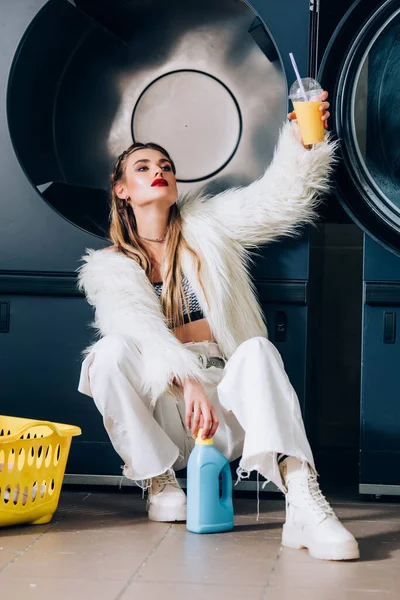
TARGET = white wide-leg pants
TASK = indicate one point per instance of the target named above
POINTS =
(257, 407)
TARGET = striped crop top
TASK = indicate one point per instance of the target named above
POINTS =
(195, 310)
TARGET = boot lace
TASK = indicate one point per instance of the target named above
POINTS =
(167, 478)
(317, 496)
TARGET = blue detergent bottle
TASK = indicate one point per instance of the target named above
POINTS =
(208, 509)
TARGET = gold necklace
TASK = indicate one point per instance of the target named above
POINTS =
(160, 239)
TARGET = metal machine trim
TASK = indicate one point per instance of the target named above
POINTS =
(65, 284)
(382, 294)
(117, 480)
(379, 490)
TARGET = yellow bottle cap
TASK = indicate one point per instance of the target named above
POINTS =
(201, 442)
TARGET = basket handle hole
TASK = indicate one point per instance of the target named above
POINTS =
(7, 494)
(57, 454)
(25, 493)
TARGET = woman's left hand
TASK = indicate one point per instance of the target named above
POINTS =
(325, 114)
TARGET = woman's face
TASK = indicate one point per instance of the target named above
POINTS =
(148, 179)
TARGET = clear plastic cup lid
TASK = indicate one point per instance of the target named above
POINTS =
(312, 88)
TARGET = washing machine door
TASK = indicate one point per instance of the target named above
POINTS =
(361, 68)
(203, 79)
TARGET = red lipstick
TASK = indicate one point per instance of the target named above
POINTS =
(160, 182)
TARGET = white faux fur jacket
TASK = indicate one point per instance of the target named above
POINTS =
(220, 229)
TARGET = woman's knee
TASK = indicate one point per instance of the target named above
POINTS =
(258, 343)
(261, 346)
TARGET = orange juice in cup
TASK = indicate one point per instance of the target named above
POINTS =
(306, 103)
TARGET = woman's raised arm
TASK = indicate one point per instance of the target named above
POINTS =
(282, 200)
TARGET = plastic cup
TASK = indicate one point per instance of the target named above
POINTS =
(308, 110)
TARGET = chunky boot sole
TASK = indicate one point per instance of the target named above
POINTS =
(167, 514)
(293, 537)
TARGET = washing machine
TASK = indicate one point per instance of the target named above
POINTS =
(209, 81)
(359, 60)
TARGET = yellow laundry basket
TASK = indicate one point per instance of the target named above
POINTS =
(33, 456)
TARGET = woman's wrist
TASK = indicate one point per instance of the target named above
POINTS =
(189, 384)
(186, 384)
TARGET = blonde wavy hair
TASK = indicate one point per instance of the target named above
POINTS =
(123, 234)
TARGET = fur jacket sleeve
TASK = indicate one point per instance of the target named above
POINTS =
(126, 305)
(278, 203)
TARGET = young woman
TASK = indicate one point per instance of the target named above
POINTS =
(184, 342)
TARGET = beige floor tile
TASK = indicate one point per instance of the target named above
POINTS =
(241, 546)
(228, 571)
(299, 556)
(378, 540)
(116, 501)
(98, 542)
(371, 551)
(269, 526)
(368, 512)
(6, 557)
(105, 511)
(18, 539)
(242, 528)
(336, 575)
(174, 591)
(380, 553)
(102, 546)
(91, 517)
(271, 509)
(61, 589)
(89, 566)
(361, 528)
(380, 548)
(278, 593)
(73, 523)
(68, 499)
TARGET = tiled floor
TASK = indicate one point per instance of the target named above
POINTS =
(101, 546)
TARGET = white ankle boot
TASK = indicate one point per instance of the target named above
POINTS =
(310, 521)
(166, 500)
